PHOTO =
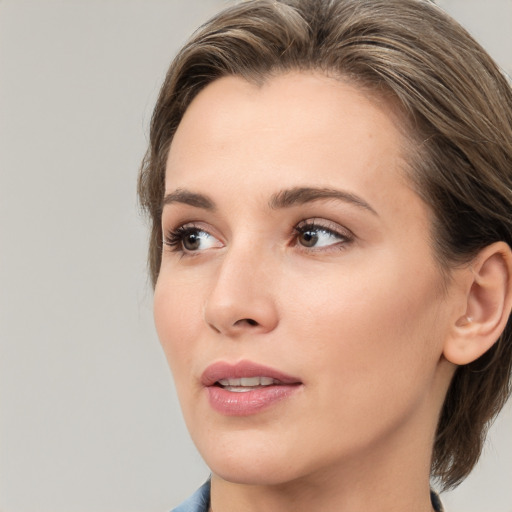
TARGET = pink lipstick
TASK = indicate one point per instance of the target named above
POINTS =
(246, 388)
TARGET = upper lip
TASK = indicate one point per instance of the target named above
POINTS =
(225, 370)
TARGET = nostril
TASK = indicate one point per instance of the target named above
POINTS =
(248, 321)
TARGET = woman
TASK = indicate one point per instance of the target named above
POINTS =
(330, 188)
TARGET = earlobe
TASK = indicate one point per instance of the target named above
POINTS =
(488, 304)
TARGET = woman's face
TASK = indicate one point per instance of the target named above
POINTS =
(298, 303)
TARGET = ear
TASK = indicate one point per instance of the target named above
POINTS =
(487, 304)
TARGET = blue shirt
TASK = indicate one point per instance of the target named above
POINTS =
(200, 501)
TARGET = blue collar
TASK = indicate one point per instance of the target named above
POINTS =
(200, 501)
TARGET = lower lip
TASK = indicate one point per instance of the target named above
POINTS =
(231, 403)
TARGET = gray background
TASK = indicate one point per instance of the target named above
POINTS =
(89, 420)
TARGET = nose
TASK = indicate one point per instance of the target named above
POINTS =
(242, 299)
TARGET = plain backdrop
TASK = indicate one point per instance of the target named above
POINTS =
(89, 421)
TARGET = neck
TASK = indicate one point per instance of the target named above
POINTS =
(325, 496)
(395, 478)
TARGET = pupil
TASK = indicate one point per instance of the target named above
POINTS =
(191, 242)
(309, 238)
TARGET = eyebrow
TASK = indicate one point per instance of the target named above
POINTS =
(183, 196)
(302, 195)
(283, 199)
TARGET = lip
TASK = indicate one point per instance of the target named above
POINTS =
(224, 370)
(231, 403)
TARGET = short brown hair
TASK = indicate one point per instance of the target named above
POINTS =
(453, 95)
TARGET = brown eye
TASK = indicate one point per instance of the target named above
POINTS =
(191, 242)
(308, 238)
(317, 236)
(189, 239)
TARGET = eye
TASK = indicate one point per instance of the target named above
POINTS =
(191, 239)
(312, 234)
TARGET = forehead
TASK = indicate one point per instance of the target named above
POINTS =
(304, 127)
(316, 106)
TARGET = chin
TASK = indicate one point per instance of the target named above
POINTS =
(248, 476)
(257, 475)
(251, 461)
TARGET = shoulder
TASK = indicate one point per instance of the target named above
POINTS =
(198, 502)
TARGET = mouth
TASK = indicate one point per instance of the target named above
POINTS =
(244, 374)
(246, 388)
(245, 384)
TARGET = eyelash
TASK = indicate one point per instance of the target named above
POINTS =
(175, 238)
(344, 235)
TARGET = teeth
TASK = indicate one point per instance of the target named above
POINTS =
(229, 382)
(247, 382)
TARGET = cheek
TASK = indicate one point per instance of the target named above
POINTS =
(176, 314)
(373, 332)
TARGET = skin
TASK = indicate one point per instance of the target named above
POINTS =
(361, 318)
